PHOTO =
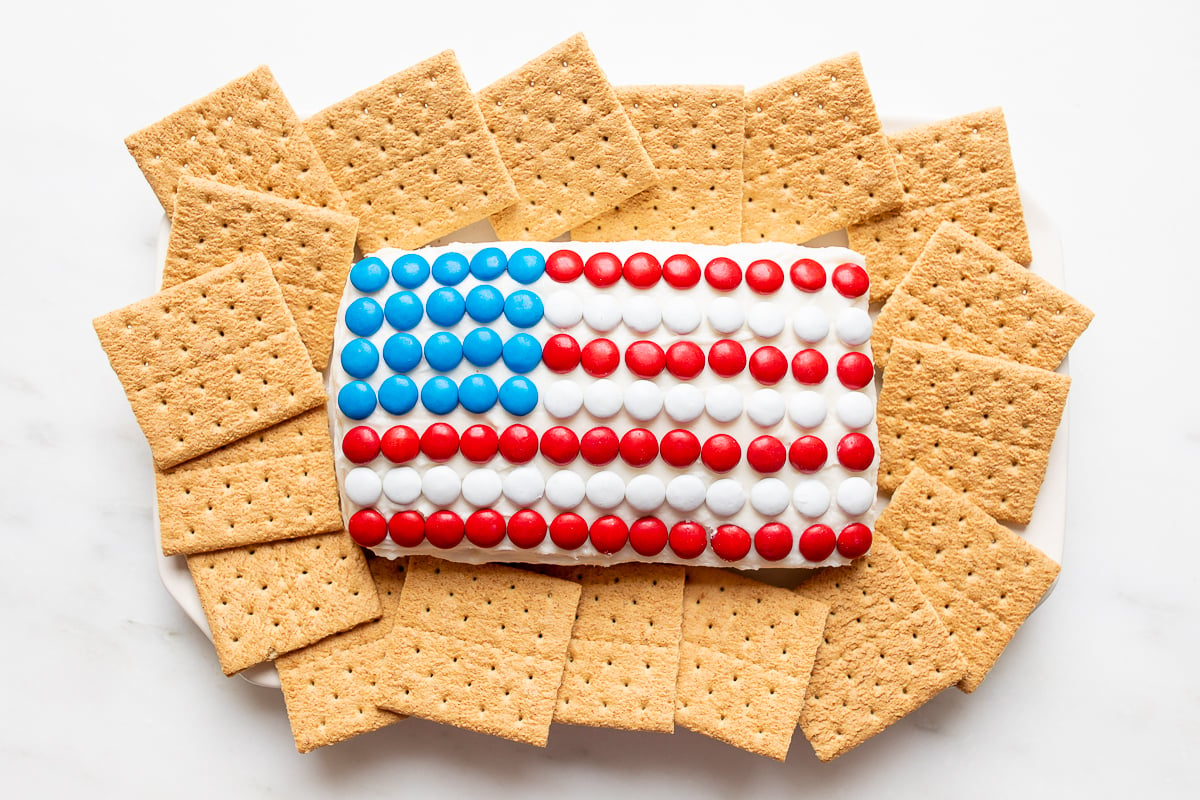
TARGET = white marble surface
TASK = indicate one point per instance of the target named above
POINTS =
(108, 689)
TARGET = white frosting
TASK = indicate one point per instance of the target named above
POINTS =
(643, 400)
(563, 399)
(724, 402)
(855, 496)
(602, 399)
(767, 319)
(686, 493)
(402, 485)
(565, 489)
(684, 402)
(482, 487)
(524, 486)
(766, 408)
(642, 314)
(854, 326)
(725, 497)
(855, 410)
(563, 309)
(807, 409)
(605, 489)
(811, 498)
(441, 485)
(363, 486)
(811, 324)
(602, 312)
(770, 497)
(725, 315)
(680, 315)
(645, 493)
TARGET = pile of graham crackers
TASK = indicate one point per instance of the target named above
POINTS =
(222, 366)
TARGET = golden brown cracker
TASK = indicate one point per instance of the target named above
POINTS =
(309, 249)
(480, 647)
(883, 655)
(694, 136)
(965, 294)
(243, 134)
(745, 660)
(815, 157)
(210, 361)
(412, 156)
(264, 600)
(566, 140)
(982, 425)
(331, 687)
(957, 170)
(981, 578)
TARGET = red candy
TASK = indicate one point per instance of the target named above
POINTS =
(479, 443)
(564, 266)
(609, 534)
(361, 444)
(526, 529)
(808, 453)
(685, 360)
(439, 441)
(807, 275)
(599, 446)
(568, 531)
(642, 270)
(687, 539)
(444, 529)
(721, 453)
(400, 444)
(681, 271)
(645, 359)
(727, 358)
(855, 452)
(809, 366)
(764, 276)
(407, 528)
(367, 527)
(560, 445)
(518, 443)
(854, 540)
(773, 541)
(680, 448)
(766, 454)
(485, 528)
(731, 542)
(638, 447)
(723, 274)
(855, 370)
(602, 269)
(768, 365)
(561, 353)
(648, 536)
(600, 358)
(817, 542)
(850, 280)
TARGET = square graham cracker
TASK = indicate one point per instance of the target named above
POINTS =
(480, 647)
(264, 600)
(967, 295)
(981, 578)
(331, 687)
(276, 484)
(979, 424)
(566, 140)
(815, 157)
(884, 652)
(623, 657)
(412, 156)
(958, 170)
(694, 136)
(745, 660)
(243, 134)
(309, 249)
(209, 361)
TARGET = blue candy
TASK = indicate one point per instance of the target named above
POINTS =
(518, 396)
(360, 358)
(364, 317)
(485, 303)
(410, 270)
(402, 352)
(526, 265)
(443, 351)
(523, 308)
(522, 353)
(477, 393)
(449, 269)
(398, 394)
(482, 347)
(489, 263)
(369, 275)
(404, 311)
(445, 306)
(356, 399)
(439, 395)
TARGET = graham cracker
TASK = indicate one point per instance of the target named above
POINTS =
(243, 134)
(815, 157)
(883, 655)
(210, 361)
(275, 484)
(745, 660)
(694, 136)
(480, 647)
(566, 140)
(981, 425)
(331, 687)
(623, 656)
(412, 156)
(981, 578)
(958, 170)
(309, 249)
(268, 599)
(964, 294)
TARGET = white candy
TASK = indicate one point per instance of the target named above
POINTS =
(482, 487)
(643, 400)
(855, 410)
(725, 315)
(765, 408)
(564, 309)
(769, 497)
(724, 402)
(725, 497)
(854, 326)
(681, 316)
(602, 312)
(402, 485)
(855, 496)
(441, 485)
(602, 399)
(564, 489)
(766, 320)
(563, 399)
(807, 409)
(684, 402)
(605, 489)
(363, 486)
(642, 314)
(524, 486)
(645, 493)
(685, 493)
(811, 324)
(811, 498)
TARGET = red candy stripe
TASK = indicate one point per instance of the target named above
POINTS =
(367, 527)
(727, 358)
(731, 542)
(681, 271)
(685, 360)
(680, 448)
(723, 274)
(855, 370)
(854, 540)
(645, 359)
(642, 270)
(479, 443)
(721, 453)
(809, 367)
(766, 454)
(602, 269)
(526, 529)
(439, 441)
(361, 444)
(768, 365)
(638, 447)
(560, 445)
(444, 529)
(687, 539)
(568, 531)
(850, 280)
(773, 541)
(407, 528)
(609, 534)
(808, 453)
(817, 542)
(564, 266)
(648, 536)
(400, 444)
(600, 358)
(561, 353)
(518, 443)
(808, 275)
(764, 276)
(485, 528)
(599, 446)
(855, 452)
